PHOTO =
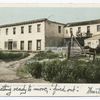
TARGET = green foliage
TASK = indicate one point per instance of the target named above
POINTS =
(22, 71)
(35, 69)
(66, 71)
(8, 56)
(45, 55)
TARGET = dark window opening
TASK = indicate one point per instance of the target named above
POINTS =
(6, 31)
(22, 45)
(38, 44)
(22, 29)
(38, 27)
(30, 28)
(98, 28)
(14, 30)
(29, 45)
(59, 29)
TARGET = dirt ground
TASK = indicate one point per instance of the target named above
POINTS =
(8, 72)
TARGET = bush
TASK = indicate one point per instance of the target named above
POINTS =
(7, 56)
(45, 55)
(35, 69)
(67, 71)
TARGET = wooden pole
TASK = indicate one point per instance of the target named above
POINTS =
(69, 47)
(94, 55)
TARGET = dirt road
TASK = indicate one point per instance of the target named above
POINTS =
(8, 71)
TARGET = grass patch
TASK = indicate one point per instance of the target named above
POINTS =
(23, 71)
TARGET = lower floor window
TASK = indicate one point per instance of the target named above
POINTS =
(38, 44)
(22, 45)
(29, 45)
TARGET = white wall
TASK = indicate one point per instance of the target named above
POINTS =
(92, 43)
(24, 37)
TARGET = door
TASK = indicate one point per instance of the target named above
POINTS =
(38, 44)
(10, 45)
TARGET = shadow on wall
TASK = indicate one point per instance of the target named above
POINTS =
(54, 42)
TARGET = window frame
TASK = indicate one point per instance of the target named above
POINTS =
(6, 31)
(22, 45)
(29, 45)
(14, 30)
(38, 27)
(98, 28)
(59, 29)
(30, 29)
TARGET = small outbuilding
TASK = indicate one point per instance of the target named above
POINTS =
(93, 42)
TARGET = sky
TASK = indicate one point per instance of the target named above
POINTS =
(63, 15)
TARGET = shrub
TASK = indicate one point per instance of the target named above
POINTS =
(35, 69)
(7, 56)
(45, 55)
(50, 69)
(58, 71)
(66, 71)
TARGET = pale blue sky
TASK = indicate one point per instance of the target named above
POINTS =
(64, 15)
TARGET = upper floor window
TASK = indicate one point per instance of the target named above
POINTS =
(66, 31)
(71, 31)
(88, 29)
(30, 28)
(59, 29)
(6, 31)
(79, 29)
(22, 29)
(14, 30)
(98, 28)
(38, 27)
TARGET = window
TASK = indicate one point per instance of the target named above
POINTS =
(71, 31)
(88, 29)
(6, 31)
(59, 29)
(29, 45)
(14, 30)
(38, 44)
(30, 28)
(98, 28)
(21, 45)
(6, 44)
(38, 27)
(89, 44)
(79, 29)
(14, 44)
(22, 29)
(66, 31)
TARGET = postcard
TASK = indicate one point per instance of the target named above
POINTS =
(49, 49)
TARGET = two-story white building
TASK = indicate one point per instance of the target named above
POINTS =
(31, 35)
(82, 30)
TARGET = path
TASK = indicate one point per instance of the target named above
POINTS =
(8, 71)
